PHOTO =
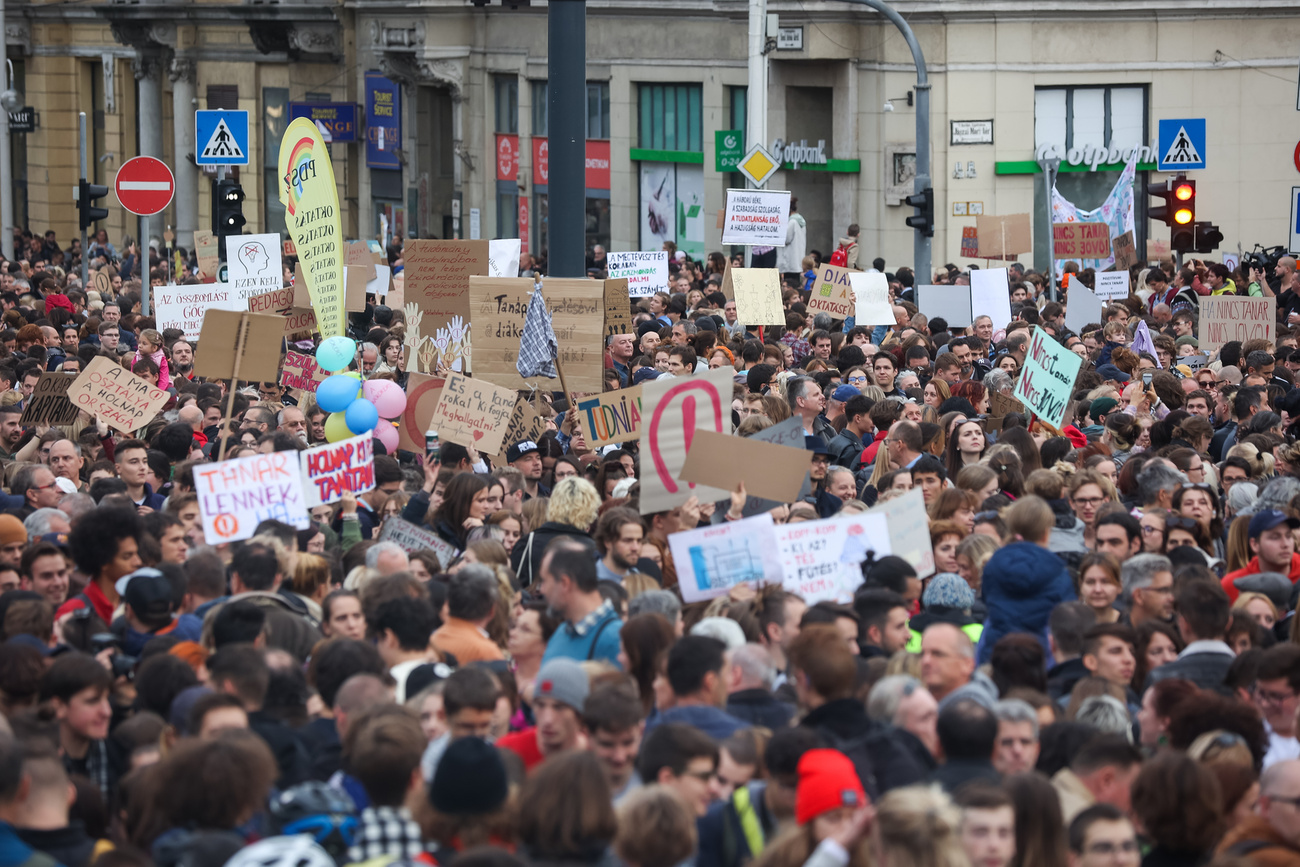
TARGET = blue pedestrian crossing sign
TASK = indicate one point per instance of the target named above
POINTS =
(221, 138)
(1181, 144)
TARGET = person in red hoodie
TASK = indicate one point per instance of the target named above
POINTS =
(1273, 545)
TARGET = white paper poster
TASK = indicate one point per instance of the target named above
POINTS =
(503, 257)
(871, 298)
(255, 265)
(950, 303)
(756, 217)
(382, 279)
(990, 295)
(1083, 307)
(237, 495)
(671, 410)
(1111, 285)
(822, 560)
(646, 273)
(711, 560)
(183, 306)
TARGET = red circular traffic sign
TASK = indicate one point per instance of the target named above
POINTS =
(145, 186)
(1296, 157)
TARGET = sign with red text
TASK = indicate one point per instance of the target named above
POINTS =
(301, 371)
(646, 273)
(1047, 379)
(1235, 317)
(122, 400)
(411, 538)
(672, 410)
(335, 469)
(235, 496)
(756, 217)
(822, 560)
(473, 413)
(1080, 241)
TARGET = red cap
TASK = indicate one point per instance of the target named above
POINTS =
(827, 781)
(1076, 436)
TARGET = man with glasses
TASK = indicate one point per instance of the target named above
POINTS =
(1101, 836)
(1273, 835)
(1272, 544)
(1149, 586)
(1277, 694)
(272, 392)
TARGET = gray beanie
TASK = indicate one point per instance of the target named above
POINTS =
(564, 681)
(948, 590)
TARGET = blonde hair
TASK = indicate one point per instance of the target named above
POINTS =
(920, 827)
(574, 502)
(1030, 518)
(977, 548)
(310, 575)
(1250, 596)
(655, 828)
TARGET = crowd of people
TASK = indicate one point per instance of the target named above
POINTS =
(1102, 667)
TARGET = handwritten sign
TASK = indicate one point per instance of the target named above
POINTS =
(208, 251)
(832, 292)
(1235, 317)
(871, 298)
(578, 318)
(673, 410)
(618, 309)
(49, 403)
(437, 280)
(1048, 378)
(1125, 251)
(278, 301)
(756, 217)
(822, 560)
(334, 469)
(253, 265)
(411, 538)
(235, 496)
(711, 560)
(497, 309)
(725, 461)
(525, 424)
(182, 307)
(758, 296)
(612, 417)
(646, 273)
(124, 401)
(474, 413)
(1081, 240)
(301, 371)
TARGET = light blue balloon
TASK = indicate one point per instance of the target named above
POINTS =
(336, 353)
(361, 416)
(337, 393)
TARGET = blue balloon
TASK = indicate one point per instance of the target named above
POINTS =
(335, 353)
(337, 392)
(361, 416)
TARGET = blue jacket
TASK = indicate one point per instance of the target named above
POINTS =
(715, 723)
(1022, 584)
(15, 853)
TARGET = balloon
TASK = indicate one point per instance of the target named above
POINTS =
(336, 427)
(361, 416)
(336, 393)
(386, 395)
(387, 434)
(336, 353)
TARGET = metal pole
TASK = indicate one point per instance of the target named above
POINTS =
(145, 266)
(921, 243)
(85, 251)
(6, 162)
(567, 137)
(756, 91)
(1049, 167)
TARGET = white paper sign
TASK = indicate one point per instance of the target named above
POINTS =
(1110, 285)
(255, 265)
(990, 295)
(909, 530)
(503, 257)
(1083, 307)
(646, 273)
(756, 217)
(183, 307)
(871, 298)
(950, 303)
(822, 560)
(237, 495)
(382, 279)
(711, 560)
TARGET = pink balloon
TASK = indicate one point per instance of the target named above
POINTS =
(387, 434)
(386, 395)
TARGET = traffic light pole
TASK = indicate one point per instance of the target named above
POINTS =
(567, 137)
(85, 251)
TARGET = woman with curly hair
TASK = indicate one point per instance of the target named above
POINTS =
(571, 511)
(975, 392)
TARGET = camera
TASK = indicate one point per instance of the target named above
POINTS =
(122, 665)
(1263, 258)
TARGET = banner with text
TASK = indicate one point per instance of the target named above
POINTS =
(611, 417)
(122, 400)
(334, 469)
(237, 495)
(182, 307)
(1048, 378)
(646, 273)
(756, 217)
(1225, 318)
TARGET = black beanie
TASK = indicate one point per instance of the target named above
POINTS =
(470, 780)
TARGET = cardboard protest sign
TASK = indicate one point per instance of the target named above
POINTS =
(182, 307)
(1081, 241)
(673, 410)
(871, 298)
(338, 468)
(301, 371)
(1047, 379)
(728, 288)
(611, 417)
(1235, 317)
(1003, 237)
(437, 281)
(909, 530)
(411, 538)
(207, 249)
(1082, 307)
(124, 401)
(990, 295)
(1001, 404)
(758, 296)
(357, 253)
(422, 394)
(723, 461)
(832, 292)
(578, 316)
(474, 413)
(1112, 285)
(253, 265)
(237, 495)
(311, 202)
(497, 309)
(297, 320)
(49, 403)
(525, 424)
(618, 309)
(503, 257)
(1125, 251)
(756, 217)
(711, 560)
(787, 433)
(950, 303)
(221, 336)
(822, 560)
(646, 273)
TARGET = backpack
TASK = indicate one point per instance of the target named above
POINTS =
(840, 258)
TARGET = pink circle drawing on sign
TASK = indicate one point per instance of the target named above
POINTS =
(145, 186)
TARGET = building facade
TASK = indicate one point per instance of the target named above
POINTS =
(451, 120)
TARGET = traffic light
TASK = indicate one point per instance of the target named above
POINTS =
(86, 195)
(1184, 214)
(1162, 212)
(923, 220)
(227, 212)
(1207, 237)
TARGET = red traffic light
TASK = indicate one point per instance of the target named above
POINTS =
(1184, 191)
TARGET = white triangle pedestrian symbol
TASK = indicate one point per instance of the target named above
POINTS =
(222, 144)
(1181, 150)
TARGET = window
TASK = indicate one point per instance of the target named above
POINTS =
(540, 107)
(597, 109)
(507, 214)
(739, 107)
(670, 117)
(275, 119)
(507, 103)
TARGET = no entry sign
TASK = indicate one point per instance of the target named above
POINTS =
(145, 186)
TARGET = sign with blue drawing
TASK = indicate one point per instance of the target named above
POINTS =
(1181, 144)
(712, 560)
(1293, 245)
(221, 137)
